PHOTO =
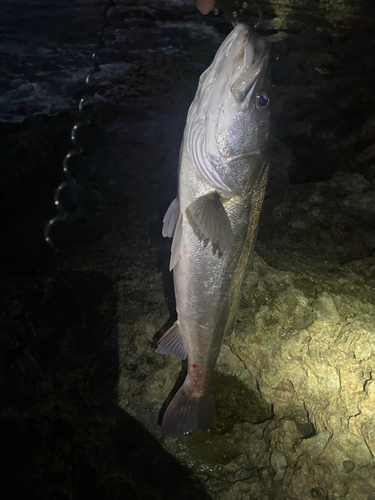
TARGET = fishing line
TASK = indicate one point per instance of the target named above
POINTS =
(85, 102)
(244, 8)
(242, 11)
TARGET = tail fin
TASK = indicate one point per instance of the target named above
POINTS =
(187, 412)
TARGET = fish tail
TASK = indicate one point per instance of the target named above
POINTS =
(188, 411)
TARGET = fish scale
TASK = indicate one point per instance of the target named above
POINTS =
(215, 217)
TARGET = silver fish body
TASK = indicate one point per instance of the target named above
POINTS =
(222, 178)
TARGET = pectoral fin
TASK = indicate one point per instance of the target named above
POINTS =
(209, 216)
(170, 219)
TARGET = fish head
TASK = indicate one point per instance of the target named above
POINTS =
(232, 112)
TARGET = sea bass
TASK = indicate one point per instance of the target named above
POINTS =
(223, 172)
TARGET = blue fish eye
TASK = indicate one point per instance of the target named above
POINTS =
(263, 101)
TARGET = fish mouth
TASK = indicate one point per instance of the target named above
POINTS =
(253, 67)
(225, 89)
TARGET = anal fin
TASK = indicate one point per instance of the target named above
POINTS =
(172, 343)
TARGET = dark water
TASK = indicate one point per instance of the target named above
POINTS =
(46, 48)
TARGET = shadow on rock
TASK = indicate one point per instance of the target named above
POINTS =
(236, 403)
(62, 433)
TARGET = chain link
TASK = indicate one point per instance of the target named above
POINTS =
(85, 102)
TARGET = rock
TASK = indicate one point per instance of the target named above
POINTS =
(305, 347)
(293, 383)
(354, 183)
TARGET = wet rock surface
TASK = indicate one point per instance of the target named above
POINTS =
(81, 387)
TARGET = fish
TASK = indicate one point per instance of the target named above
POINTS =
(223, 171)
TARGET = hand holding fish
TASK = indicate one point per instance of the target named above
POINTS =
(204, 6)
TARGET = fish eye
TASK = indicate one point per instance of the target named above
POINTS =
(263, 101)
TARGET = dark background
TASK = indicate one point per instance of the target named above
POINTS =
(62, 434)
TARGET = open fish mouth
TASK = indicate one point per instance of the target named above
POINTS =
(224, 93)
(240, 62)
(255, 62)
